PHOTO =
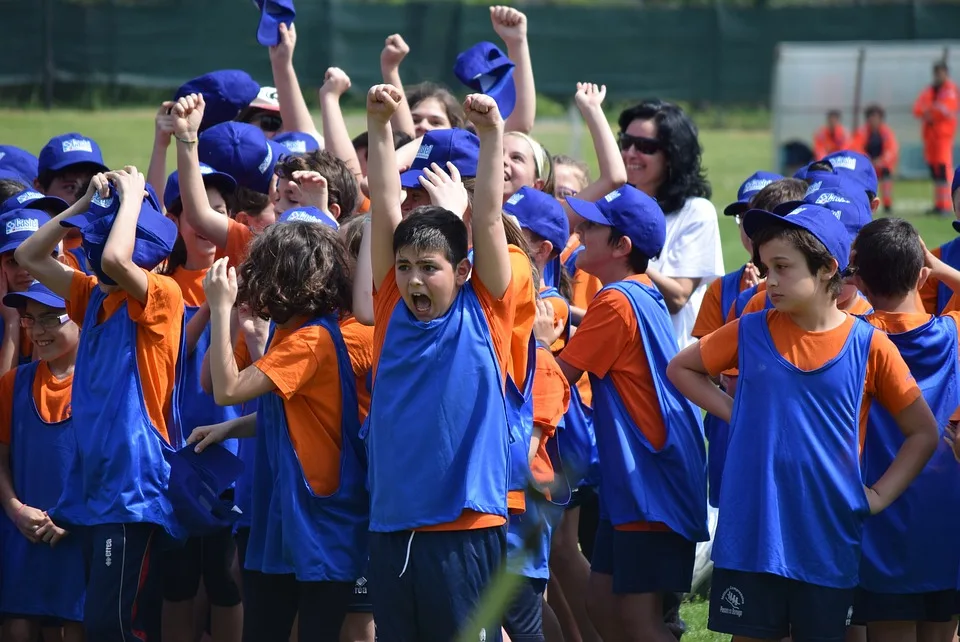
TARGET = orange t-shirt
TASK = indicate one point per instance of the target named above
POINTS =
(302, 364)
(51, 396)
(68, 257)
(711, 316)
(551, 396)
(524, 297)
(359, 340)
(758, 302)
(238, 241)
(608, 342)
(159, 324)
(888, 379)
(190, 283)
(585, 286)
(500, 316)
(561, 312)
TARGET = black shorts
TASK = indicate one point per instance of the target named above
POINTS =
(771, 607)
(361, 600)
(523, 621)
(210, 557)
(936, 606)
(644, 561)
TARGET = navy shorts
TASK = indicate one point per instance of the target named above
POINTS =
(210, 557)
(765, 606)
(361, 600)
(428, 584)
(524, 619)
(644, 561)
(936, 606)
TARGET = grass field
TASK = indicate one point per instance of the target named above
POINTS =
(730, 156)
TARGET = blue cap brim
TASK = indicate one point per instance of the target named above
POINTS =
(588, 211)
(19, 299)
(10, 247)
(100, 167)
(410, 179)
(75, 221)
(736, 208)
(505, 93)
(51, 203)
(956, 226)
(755, 220)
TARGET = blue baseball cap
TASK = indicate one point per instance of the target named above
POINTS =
(20, 162)
(225, 93)
(849, 206)
(211, 177)
(297, 142)
(857, 166)
(17, 226)
(34, 200)
(272, 14)
(308, 215)
(485, 69)
(956, 181)
(70, 149)
(36, 292)
(242, 151)
(748, 189)
(816, 219)
(540, 213)
(630, 212)
(458, 146)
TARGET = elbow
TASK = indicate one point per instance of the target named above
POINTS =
(116, 266)
(675, 374)
(365, 317)
(225, 398)
(618, 175)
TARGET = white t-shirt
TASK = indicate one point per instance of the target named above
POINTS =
(691, 250)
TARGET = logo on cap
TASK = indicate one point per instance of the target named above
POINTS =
(814, 187)
(846, 162)
(424, 152)
(797, 211)
(265, 165)
(206, 169)
(830, 198)
(100, 201)
(29, 196)
(22, 225)
(612, 196)
(2, 154)
(77, 145)
(516, 198)
(756, 184)
(296, 146)
(300, 215)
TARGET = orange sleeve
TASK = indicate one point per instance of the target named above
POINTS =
(241, 354)
(68, 259)
(888, 377)
(81, 287)
(710, 316)
(603, 334)
(359, 340)
(718, 350)
(292, 360)
(551, 394)
(364, 205)
(922, 103)
(163, 308)
(238, 240)
(501, 313)
(6, 405)
(385, 299)
(561, 314)
(928, 291)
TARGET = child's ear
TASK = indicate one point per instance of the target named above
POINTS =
(538, 184)
(924, 275)
(242, 218)
(874, 204)
(462, 271)
(334, 210)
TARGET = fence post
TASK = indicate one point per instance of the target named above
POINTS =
(49, 67)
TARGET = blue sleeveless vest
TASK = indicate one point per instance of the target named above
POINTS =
(37, 579)
(81, 258)
(792, 503)
(519, 405)
(551, 272)
(911, 546)
(247, 452)
(640, 483)
(949, 254)
(571, 263)
(438, 437)
(742, 300)
(730, 290)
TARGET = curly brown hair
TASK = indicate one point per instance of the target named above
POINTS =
(296, 269)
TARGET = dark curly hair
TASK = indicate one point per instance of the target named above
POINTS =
(678, 137)
(296, 269)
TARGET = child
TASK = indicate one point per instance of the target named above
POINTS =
(122, 395)
(67, 163)
(935, 294)
(434, 547)
(876, 140)
(455, 146)
(310, 506)
(646, 433)
(912, 585)
(43, 568)
(808, 374)
(832, 137)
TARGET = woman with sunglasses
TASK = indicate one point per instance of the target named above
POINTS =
(662, 154)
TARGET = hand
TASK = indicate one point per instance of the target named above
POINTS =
(445, 190)
(313, 189)
(751, 275)
(204, 436)
(29, 520)
(129, 183)
(10, 316)
(483, 112)
(382, 103)
(187, 114)
(547, 327)
(589, 96)
(874, 500)
(220, 285)
(509, 23)
(335, 83)
(50, 533)
(395, 49)
(163, 123)
(282, 52)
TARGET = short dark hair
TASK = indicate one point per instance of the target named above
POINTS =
(637, 260)
(293, 269)
(399, 139)
(249, 202)
(874, 109)
(431, 228)
(815, 253)
(888, 257)
(352, 234)
(342, 186)
(820, 165)
(10, 187)
(418, 93)
(46, 178)
(779, 192)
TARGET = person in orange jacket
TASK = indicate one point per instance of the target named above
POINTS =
(832, 137)
(876, 140)
(936, 107)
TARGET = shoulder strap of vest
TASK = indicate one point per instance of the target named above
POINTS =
(97, 297)
(729, 290)
(350, 421)
(175, 431)
(571, 262)
(742, 300)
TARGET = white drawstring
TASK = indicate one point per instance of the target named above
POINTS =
(406, 560)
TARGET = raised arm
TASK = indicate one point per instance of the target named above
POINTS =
(293, 108)
(491, 258)
(383, 177)
(395, 49)
(117, 260)
(335, 134)
(187, 114)
(363, 281)
(163, 130)
(511, 25)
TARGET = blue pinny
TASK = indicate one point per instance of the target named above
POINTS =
(792, 503)
(639, 482)
(519, 405)
(911, 546)
(949, 254)
(714, 428)
(121, 468)
(293, 530)
(438, 436)
(37, 579)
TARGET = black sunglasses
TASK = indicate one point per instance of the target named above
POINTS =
(268, 122)
(644, 145)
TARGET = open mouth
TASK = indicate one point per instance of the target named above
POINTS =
(43, 343)
(421, 302)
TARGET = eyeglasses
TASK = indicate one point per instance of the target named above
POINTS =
(644, 145)
(47, 322)
(268, 122)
